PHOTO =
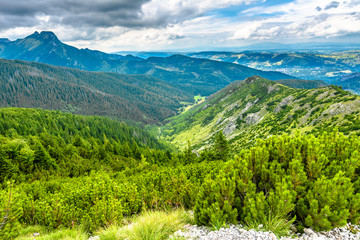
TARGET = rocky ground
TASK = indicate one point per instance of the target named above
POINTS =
(349, 232)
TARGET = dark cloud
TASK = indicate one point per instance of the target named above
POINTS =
(175, 37)
(333, 4)
(77, 13)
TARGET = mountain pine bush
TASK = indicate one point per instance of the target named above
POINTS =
(313, 179)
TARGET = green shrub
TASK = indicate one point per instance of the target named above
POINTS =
(10, 212)
(312, 179)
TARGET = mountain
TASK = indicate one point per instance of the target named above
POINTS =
(258, 108)
(45, 47)
(146, 54)
(304, 46)
(330, 67)
(137, 97)
(196, 76)
(350, 82)
(305, 84)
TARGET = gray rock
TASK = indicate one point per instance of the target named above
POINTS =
(252, 118)
(273, 237)
(94, 238)
(309, 232)
(286, 101)
(229, 129)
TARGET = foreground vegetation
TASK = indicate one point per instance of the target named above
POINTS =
(148, 225)
(56, 180)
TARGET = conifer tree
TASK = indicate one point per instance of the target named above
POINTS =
(221, 149)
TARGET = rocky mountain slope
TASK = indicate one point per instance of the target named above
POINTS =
(257, 108)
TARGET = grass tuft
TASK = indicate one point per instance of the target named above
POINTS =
(279, 224)
(154, 225)
(60, 234)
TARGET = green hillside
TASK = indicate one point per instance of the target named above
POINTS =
(305, 84)
(258, 108)
(137, 98)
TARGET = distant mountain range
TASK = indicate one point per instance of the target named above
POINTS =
(198, 76)
(302, 46)
(193, 75)
(330, 67)
(350, 82)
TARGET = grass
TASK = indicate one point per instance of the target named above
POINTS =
(278, 224)
(60, 234)
(147, 226)
(154, 225)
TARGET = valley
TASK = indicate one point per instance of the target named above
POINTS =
(100, 146)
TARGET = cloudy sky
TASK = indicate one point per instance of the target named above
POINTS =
(136, 25)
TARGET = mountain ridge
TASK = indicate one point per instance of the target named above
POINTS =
(257, 108)
(202, 77)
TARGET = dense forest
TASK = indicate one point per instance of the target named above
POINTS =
(60, 170)
(137, 98)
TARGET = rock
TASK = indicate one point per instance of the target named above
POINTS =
(271, 88)
(309, 232)
(218, 121)
(273, 237)
(94, 238)
(36, 234)
(229, 129)
(236, 232)
(286, 101)
(252, 118)
(206, 106)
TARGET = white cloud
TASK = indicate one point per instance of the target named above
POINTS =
(302, 19)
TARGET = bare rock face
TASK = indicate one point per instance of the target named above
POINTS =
(229, 129)
(252, 118)
(338, 108)
(248, 105)
(272, 88)
(232, 106)
(206, 106)
(218, 121)
(286, 101)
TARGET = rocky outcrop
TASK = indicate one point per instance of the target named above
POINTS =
(286, 101)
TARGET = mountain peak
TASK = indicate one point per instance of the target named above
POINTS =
(256, 78)
(48, 35)
(44, 36)
(4, 40)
